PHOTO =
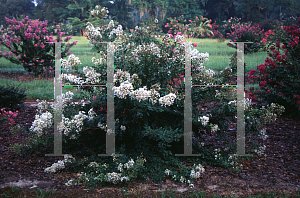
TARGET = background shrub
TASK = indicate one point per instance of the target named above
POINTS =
(11, 98)
(279, 75)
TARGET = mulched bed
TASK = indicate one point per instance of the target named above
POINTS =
(278, 171)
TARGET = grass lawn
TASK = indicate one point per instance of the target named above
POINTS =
(219, 58)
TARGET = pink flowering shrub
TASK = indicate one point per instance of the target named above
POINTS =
(29, 44)
(278, 77)
(247, 33)
(7, 118)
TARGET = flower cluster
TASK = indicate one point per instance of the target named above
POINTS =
(60, 164)
(261, 150)
(140, 94)
(67, 125)
(246, 103)
(117, 31)
(93, 165)
(196, 27)
(262, 133)
(98, 61)
(210, 72)
(127, 165)
(63, 100)
(215, 128)
(41, 122)
(111, 24)
(167, 99)
(232, 160)
(196, 174)
(9, 116)
(123, 90)
(198, 59)
(71, 63)
(92, 33)
(72, 78)
(115, 177)
(204, 120)
(251, 33)
(92, 76)
(121, 76)
(152, 48)
(100, 11)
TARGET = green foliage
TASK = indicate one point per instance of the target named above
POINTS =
(11, 98)
(195, 28)
(15, 8)
(189, 8)
(121, 11)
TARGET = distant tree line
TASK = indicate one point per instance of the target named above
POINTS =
(131, 12)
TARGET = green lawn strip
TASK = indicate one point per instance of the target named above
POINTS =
(41, 89)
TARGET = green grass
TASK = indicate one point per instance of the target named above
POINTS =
(220, 53)
(41, 89)
(219, 58)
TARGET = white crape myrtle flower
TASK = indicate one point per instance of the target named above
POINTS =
(123, 128)
(246, 102)
(140, 94)
(118, 32)
(204, 120)
(114, 177)
(129, 164)
(123, 90)
(182, 179)
(179, 38)
(120, 167)
(121, 76)
(102, 126)
(91, 114)
(41, 122)
(72, 78)
(69, 183)
(67, 125)
(151, 48)
(43, 105)
(92, 33)
(199, 59)
(167, 99)
(210, 72)
(142, 29)
(154, 96)
(232, 102)
(111, 24)
(55, 167)
(63, 100)
(98, 61)
(261, 150)
(92, 76)
(200, 168)
(263, 134)
(72, 62)
(68, 158)
(167, 172)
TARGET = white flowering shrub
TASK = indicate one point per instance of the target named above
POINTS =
(149, 90)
